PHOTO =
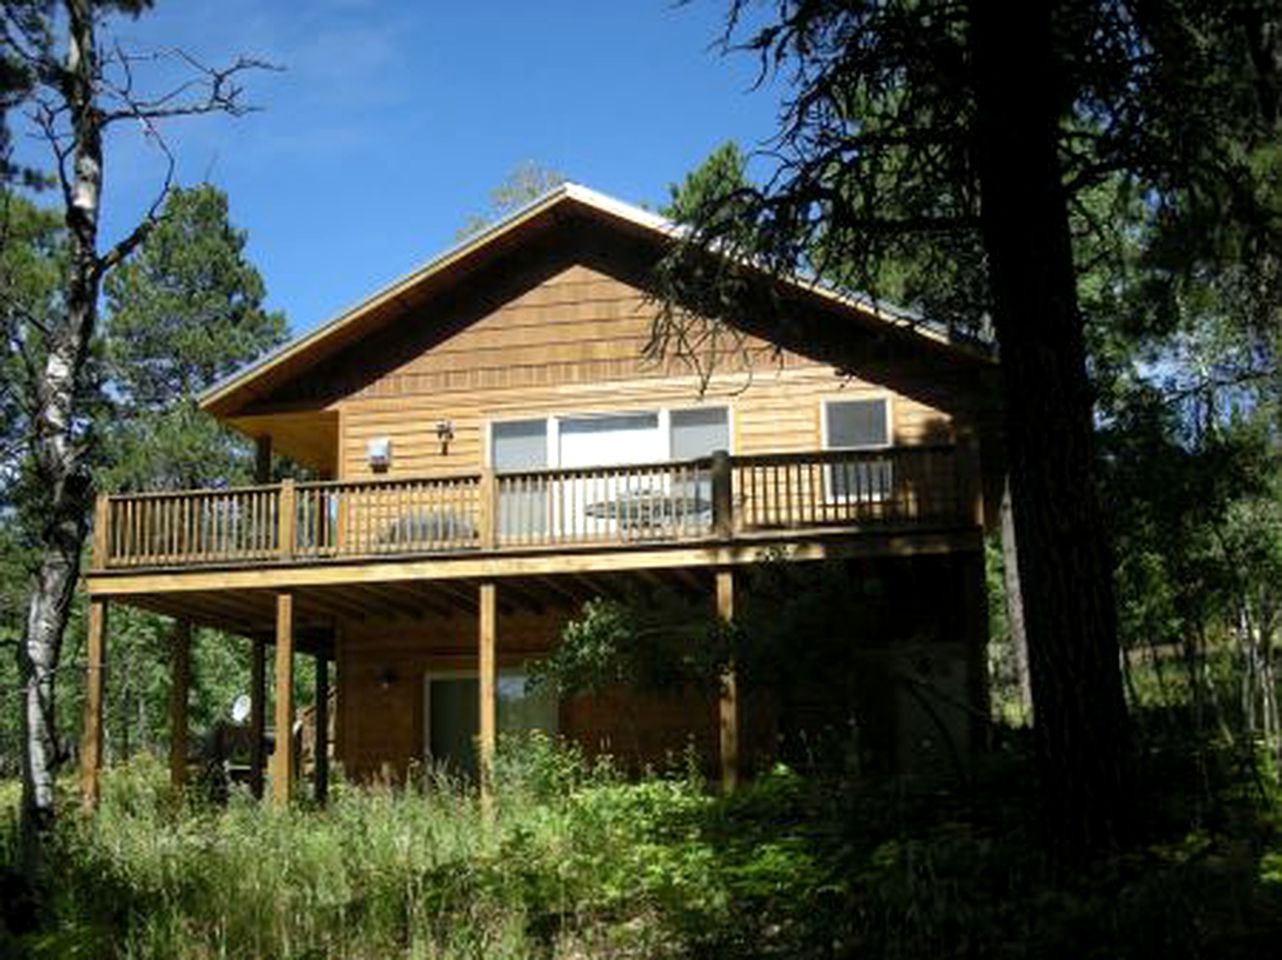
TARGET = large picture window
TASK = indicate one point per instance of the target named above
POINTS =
(592, 503)
(862, 424)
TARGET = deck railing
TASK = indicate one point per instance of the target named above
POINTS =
(717, 497)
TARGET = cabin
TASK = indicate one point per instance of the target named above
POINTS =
(493, 446)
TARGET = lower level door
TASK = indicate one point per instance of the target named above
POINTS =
(451, 720)
(452, 716)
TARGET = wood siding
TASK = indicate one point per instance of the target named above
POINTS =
(574, 343)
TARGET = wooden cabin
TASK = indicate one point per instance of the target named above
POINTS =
(494, 448)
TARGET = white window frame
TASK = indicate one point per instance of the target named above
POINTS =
(553, 420)
(830, 494)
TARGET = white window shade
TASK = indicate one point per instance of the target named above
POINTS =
(699, 432)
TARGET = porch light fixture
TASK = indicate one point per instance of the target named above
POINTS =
(386, 677)
(378, 450)
(444, 434)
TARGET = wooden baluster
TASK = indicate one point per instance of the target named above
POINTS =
(160, 535)
(128, 531)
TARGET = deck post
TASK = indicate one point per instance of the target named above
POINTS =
(339, 713)
(971, 475)
(487, 510)
(263, 459)
(179, 684)
(285, 519)
(487, 675)
(283, 757)
(257, 713)
(91, 739)
(320, 765)
(722, 496)
(729, 700)
(101, 532)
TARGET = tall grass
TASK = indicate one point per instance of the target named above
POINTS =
(577, 863)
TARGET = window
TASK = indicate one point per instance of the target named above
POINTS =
(858, 425)
(518, 445)
(699, 432)
(451, 715)
(591, 503)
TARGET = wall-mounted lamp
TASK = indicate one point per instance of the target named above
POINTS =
(386, 677)
(445, 433)
(378, 450)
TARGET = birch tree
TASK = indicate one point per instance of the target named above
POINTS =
(83, 87)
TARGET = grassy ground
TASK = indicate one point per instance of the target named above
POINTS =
(579, 863)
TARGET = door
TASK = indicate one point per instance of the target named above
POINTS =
(597, 505)
(452, 716)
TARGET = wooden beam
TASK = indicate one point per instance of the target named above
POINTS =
(457, 595)
(729, 700)
(387, 600)
(283, 757)
(263, 459)
(91, 739)
(743, 551)
(179, 686)
(329, 603)
(257, 714)
(415, 599)
(320, 766)
(487, 673)
(521, 597)
(565, 591)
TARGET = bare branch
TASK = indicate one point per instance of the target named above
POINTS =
(214, 90)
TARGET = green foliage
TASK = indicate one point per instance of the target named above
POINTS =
(655, 642)
(709, 185)
(527, 182)
(184, 312)
(579, 862)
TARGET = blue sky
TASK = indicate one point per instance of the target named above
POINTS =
(392, 121)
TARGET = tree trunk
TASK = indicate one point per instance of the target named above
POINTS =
(1015, 604)
(58, 445)
(1065, 564)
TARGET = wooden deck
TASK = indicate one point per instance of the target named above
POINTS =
(472, 514)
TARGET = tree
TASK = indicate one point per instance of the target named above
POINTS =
(963, 137)
(185, 311)
(527, 182)
(709, 186)
(83, 88)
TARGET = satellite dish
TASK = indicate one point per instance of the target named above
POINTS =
(240, 709)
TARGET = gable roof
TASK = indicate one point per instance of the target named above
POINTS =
(235, 393)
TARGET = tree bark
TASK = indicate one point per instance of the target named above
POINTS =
(58, 444)
(1015, 604)
(1065, 563)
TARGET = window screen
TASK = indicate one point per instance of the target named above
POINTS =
(520, 445)
(857, 423)
(698, 433)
